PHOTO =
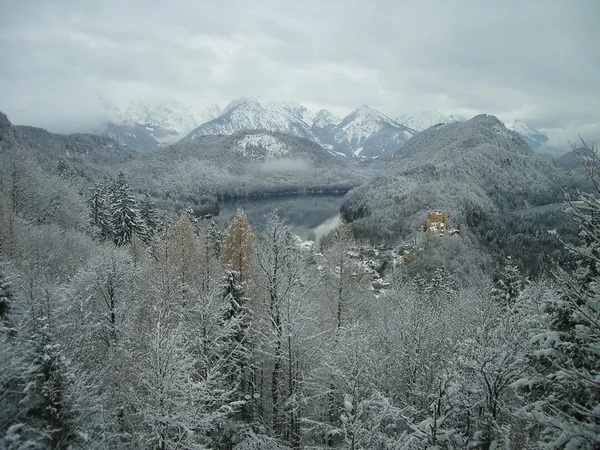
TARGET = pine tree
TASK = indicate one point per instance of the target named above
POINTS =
(149, 217)
(125, 218)
(510, 283)
(236, 318)
(48, 418)
(99, 210)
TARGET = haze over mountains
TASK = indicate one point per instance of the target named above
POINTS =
(365, 133)
(146, 126)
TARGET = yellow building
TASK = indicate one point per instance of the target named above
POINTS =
(437, 221)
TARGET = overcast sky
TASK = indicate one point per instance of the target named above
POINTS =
(63, 62)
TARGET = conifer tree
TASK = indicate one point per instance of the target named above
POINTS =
(99, 210)
(236, 318)
(149, 217)
(510, 283)
(125, 218)
(184, 254)
(564, 392)
(46, 416)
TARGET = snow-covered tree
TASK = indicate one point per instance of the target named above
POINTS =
(284, 318)
(149, 217)
(98, 208)
(510, 283)
(563, 390)
(125, 218)
(237, 249)
(49, 419)
(345, 280)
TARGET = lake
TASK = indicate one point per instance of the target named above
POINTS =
(317, 213)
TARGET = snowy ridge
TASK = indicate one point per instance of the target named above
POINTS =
(367, 133)
(297, 110)
(252, 114)
(533, 137)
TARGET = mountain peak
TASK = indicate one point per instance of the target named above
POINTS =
(242, 102)
(324, 118)
(367, 114)
(254, 114)
(536, 140)
(364, 133)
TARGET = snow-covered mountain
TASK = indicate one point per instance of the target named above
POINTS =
(536, 140)
(364, 133)
(252, 114)
(146, 126)
(367, 133)
(423, 120)
(324, 119)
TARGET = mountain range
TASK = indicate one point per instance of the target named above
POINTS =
(363, 134)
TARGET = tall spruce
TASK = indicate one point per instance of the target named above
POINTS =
(149, 217)
(99, 210)
(125, 217)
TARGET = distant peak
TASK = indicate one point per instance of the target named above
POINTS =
(324, 118)
(240, 101)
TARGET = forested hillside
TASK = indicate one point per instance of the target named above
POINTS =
(470, 169)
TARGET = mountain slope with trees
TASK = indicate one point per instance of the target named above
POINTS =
(469, 169)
